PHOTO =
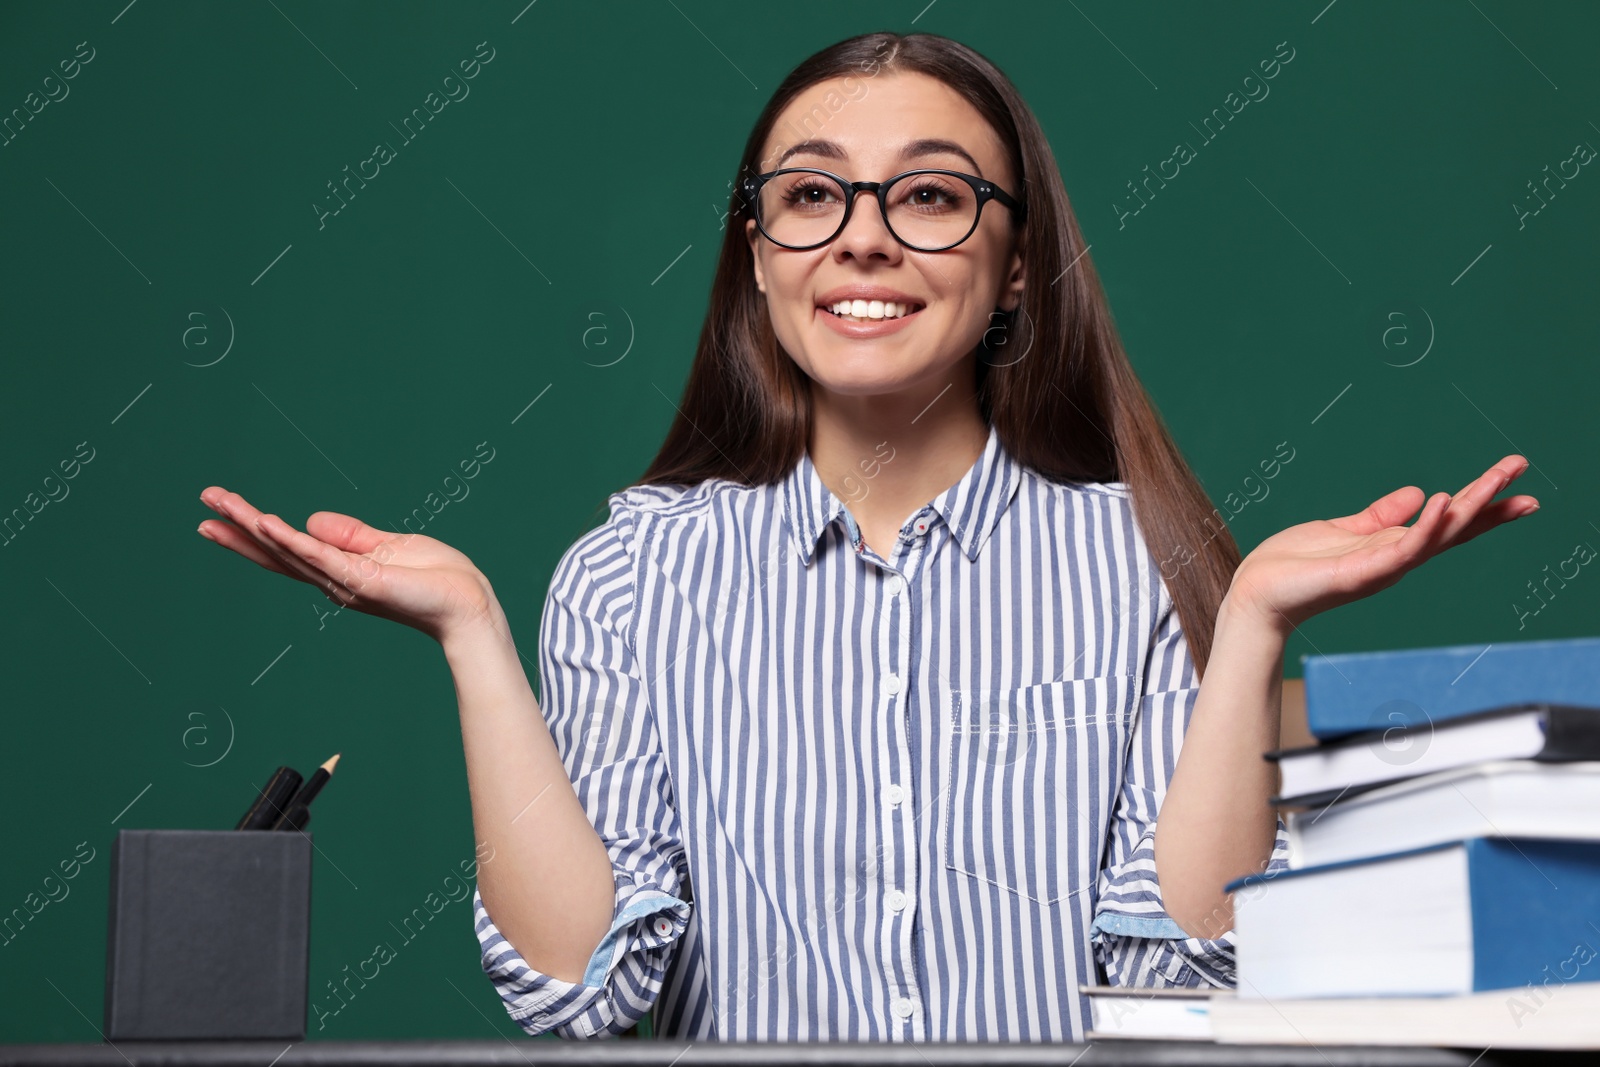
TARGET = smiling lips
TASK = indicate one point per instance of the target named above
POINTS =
(857, 327)
(867, 310)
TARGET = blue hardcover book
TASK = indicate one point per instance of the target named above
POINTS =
(1468, 916)
(1355, 691)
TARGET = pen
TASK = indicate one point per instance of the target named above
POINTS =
(274, 799)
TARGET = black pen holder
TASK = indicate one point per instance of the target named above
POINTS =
(209, 935)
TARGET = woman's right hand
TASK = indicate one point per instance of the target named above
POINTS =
(412, 579)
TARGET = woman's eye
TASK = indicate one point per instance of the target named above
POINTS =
(809, 194)
(932, 195)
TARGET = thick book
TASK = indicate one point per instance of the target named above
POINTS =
(1481, 914)
(1173, 1014)
(1355, 691)
(1500, 798)
(1558, 1014)
(1314, 775)
(208, 935)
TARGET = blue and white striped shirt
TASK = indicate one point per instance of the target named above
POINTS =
(914, 796)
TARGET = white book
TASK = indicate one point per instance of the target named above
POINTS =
(1555, 1015)
(1553, 733)
(1504, 798)
(1178, 1014)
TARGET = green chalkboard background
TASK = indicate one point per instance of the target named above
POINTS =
(1345, 267)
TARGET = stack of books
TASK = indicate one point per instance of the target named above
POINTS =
(1444, 856)
(1444, 864)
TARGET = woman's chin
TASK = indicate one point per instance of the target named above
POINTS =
(853, 374)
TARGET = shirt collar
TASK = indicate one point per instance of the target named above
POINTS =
(970, 507)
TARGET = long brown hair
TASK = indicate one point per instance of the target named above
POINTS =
(1072, 408)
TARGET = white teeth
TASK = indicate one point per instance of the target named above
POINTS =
(866, 310)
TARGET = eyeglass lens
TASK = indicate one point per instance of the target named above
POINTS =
(929, 211)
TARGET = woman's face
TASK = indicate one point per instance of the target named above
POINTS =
(869, 129)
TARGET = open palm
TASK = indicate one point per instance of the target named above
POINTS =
(406, 577)
(1318, 565)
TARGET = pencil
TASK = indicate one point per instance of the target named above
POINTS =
(298, 806)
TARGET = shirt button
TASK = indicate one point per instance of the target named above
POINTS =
(895, 793)
(663, 925)
(891, 684)
(897, 901)
(905, 1007)
(921, 526)
(895, 585)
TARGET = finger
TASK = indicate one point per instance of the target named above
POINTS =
(1415, 543)
(1392, 509)
(350, 573)
(229, 536)
(346, 532)
(245, 517)
(1500, 511)
(1491, 481)
(1466, 505)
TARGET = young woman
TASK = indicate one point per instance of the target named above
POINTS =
(889, 655)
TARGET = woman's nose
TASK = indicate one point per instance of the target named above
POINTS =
(866, 232)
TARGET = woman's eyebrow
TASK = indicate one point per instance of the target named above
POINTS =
(925, 146)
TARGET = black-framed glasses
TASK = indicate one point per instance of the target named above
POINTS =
(801, 208)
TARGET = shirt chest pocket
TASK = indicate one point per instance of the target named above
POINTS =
(1030, 782)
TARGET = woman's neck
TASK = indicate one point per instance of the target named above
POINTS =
(886, 456)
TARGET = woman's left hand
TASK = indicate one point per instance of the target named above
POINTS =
(1307, 569)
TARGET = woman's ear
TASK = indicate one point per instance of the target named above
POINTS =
(752, 235)
(1016, 281)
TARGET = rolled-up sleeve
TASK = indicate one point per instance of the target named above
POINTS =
(1135, 940)
(594, 699)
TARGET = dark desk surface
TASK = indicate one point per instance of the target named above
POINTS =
(524, 1053)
